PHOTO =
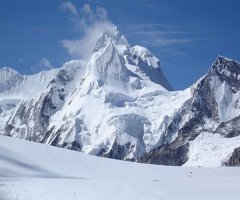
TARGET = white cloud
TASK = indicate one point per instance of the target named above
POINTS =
(44, 64)
(91, 23)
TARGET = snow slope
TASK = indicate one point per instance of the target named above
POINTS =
(124, 84)
(14, 85)
(211, 149)
(16, 88)
(213, 109)
(50, 173)
(118, 104)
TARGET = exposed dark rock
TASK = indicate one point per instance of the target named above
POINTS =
(167, 155)
(8, 129)
(230, 128)
(75, 146)
(228, 71)
(234, 160)
(56, 140)
(202, 106)
(117, 151)
(47, 134)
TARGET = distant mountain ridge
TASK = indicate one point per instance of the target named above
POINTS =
(12, 83)
(120, 105)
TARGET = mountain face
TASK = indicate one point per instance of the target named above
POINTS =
(16, 88)
(119, 105)
(213, 109)
(14, 85)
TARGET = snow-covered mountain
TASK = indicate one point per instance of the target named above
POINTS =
(15, 88)
(119, 104)
(14, 85)
(212, 113)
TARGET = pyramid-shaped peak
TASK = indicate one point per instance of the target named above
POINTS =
(113, 30)
(112, 35)
(115, 35)
(226, 69)
(224, 62)
(221, 58)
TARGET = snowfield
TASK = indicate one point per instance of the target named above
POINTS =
(119, 104)
(32, 171)
(211, 150)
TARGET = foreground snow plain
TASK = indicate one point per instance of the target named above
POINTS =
(33, 171)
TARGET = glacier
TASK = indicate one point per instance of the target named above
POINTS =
(119, 104)
(50, 173)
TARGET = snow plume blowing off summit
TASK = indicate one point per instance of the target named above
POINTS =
(98, 31)
(118, 80)
(90, 23)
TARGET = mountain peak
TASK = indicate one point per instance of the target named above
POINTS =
(112, 30)
(112, 45)
(227, 71)
(8, 70)
(222, 63)
(221, 59)
(112, 35)
(7, 75)
(108, 66)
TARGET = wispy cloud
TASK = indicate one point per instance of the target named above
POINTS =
(90, 22)
(44, 64)
(69, 7)
(163, 36)
(162, 42)
(159, 32)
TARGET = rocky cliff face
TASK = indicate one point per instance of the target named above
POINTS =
(234, 159)
(30, 119)
(120, 105)
(213, 108)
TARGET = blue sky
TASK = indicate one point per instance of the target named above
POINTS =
(185, 35)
